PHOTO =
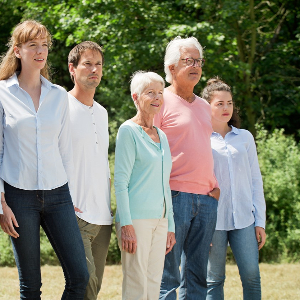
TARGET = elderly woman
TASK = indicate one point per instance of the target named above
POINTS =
(144, 220)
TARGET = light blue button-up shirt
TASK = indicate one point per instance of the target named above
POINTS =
(237, 170)
(35, 147)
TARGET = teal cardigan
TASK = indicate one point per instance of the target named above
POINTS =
(142, 174)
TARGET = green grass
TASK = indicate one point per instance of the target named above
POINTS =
(279, 282)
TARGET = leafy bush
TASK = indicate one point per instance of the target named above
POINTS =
(279, 159)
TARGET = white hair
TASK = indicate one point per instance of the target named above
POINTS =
(173, 49)
(140, 80)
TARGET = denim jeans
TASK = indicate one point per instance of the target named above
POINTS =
(195, 221)
(54, 211)
(245, 250)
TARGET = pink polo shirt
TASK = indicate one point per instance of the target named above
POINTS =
(188, 129)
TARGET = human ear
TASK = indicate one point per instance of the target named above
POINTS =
(135, 98)
(172, 68)
(17, 51)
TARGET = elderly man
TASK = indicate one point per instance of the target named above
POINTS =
(89, 122)
(186, 120)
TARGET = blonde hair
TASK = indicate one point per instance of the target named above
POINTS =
(23, 32)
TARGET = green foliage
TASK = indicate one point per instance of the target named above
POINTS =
(279, 159)
(6, 252)
(253, 45)
(114, 254)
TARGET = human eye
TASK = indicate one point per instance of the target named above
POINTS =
(189, 61)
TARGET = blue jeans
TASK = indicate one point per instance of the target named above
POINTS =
(54, 211)
(195, 221)
(245, 250)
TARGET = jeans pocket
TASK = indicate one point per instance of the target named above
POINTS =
(175, 194)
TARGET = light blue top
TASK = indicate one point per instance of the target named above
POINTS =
(142, 174)
(236, 167)
(35, 147)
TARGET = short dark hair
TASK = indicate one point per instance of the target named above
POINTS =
(215, 84)
(76, 52)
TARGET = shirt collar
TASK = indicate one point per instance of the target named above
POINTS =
(233, 130)
(13, 81)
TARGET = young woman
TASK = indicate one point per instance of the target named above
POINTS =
(36, 164)
(241, 210)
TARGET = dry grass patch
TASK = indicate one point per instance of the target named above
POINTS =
(279, 282)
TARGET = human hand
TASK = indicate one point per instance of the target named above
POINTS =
(77, 209)
(8, 219)
(260, 236)
(215, 193)
(171, 241)
(128, 237)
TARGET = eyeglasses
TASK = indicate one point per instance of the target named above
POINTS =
(192, 61)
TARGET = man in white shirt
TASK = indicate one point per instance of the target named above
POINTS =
(89, 124)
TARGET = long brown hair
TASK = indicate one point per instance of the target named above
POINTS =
(215, 84)
(23, 32)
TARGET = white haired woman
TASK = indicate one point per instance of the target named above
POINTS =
(144, 219)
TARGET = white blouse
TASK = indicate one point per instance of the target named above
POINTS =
(35, 147)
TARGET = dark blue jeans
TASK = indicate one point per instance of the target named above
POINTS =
(195, 221)
(54, 211)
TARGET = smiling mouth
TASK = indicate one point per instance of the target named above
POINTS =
(155, 105)
(39, 59)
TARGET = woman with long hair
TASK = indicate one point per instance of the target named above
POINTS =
(36, 164)
(241, 211)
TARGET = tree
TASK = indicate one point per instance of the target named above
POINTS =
(252, 45)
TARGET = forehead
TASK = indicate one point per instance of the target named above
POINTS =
(189, 52)
(38, 39)
(92, 55)
(222, 96)
(154, 85)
